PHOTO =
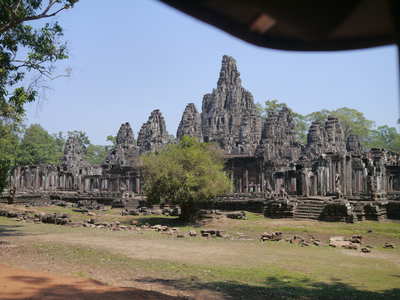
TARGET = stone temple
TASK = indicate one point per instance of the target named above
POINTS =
(330, 178)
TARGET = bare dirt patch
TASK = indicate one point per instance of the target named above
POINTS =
(21, 284)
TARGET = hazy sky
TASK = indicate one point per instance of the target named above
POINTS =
(131, 57)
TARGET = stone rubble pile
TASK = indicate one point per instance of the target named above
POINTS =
(145, 211)
(54, 218)
(241, 215)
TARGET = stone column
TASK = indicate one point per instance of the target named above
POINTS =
(350, 177)
(232, 182)
(137, 184)
(246, 178)
(262, 181)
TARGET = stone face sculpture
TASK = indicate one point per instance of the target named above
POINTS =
(153, 135)
(125, 149)
(325, 139)
(73, 153)
(229, 115)
(278, 146)
(125, 135)
(190, 124)
(353, 144)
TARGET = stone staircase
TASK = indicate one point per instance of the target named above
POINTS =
(309, 208)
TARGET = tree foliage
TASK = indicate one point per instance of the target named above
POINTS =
(352, 121)
(81, 136)
(185, 174)
(273, 106)
(25, 49)
(9, 143)
(38, 147)
(96, 154)
(112, 139)
(384, 137)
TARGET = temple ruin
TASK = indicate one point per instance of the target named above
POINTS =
(330, 178)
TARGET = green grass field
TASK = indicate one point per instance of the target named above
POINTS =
(230, 268)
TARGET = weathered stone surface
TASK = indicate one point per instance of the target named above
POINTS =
(73, 154)
(327, 139)
(237, 215)
(229, 115)
(190, 124)
(353, 144)
(153, 135)
(278, 146)
(125, 152)
(125, 135)
(271, 236)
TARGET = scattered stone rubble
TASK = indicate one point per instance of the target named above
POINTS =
(355, 242)
(241, 215)
(388, 245)
(352, 243)
(145, 211)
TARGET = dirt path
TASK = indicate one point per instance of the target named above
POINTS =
(18, 284)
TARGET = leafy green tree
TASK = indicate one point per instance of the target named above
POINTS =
(384, 137)
(96, 154)
(9, 145)
(82, 137)
(59, 139)
(112, 139)
(352, 120)
(185, 174)
(9, 141)
(273, 106)
(5, 167)
(25, 49)
(38, 147)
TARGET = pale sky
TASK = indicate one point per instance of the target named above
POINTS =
(131, 57)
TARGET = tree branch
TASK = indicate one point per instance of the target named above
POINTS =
(44, 14)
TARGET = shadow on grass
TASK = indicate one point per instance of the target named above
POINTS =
(10, 230)
(165, 221)
(274, 288)
(37, 287)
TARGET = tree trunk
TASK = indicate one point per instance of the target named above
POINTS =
(189, 212)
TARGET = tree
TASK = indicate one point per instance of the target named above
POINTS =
(112, 139)
(273, 106)
(96, 154)
(25, 49)
(38, 147)
(9, 145)
(82, 137)
(185, 174)
(59, 139)
(352, 121)
(384, 137)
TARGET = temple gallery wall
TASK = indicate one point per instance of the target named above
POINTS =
(331, 177)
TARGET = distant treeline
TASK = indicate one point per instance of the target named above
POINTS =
(20, 145)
